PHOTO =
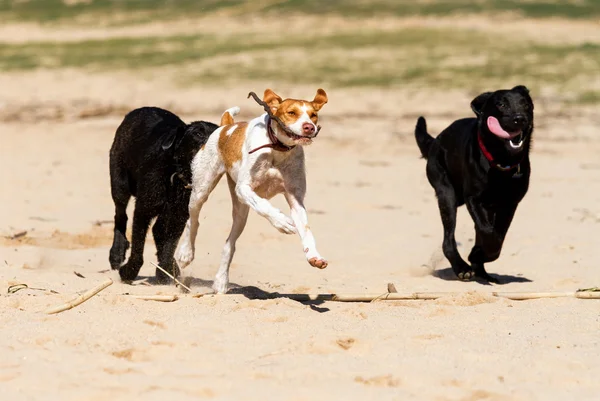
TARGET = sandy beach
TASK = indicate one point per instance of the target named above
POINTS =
(374, 217)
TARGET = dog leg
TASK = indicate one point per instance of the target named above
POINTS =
(240, 216)
(488, 244)
(482, 217)
(187, 247)
(166, 231)
(141, 220)
(295, 199)
(264, 208)
(121, 195)
(447, 204)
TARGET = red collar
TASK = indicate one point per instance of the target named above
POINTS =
(490, 158)
(276, 144)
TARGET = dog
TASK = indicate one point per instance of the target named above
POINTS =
(150, 159)
(261, 158)
(482, 162)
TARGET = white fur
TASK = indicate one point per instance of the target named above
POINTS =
(233, 111)
(230, 130)
(265, 171)
(304, 118)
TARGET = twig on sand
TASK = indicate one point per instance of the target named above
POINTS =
(80, 299)
(159, 298)
(392, 288)
(395, 296)
(17, 287)
(170, 275)
(17, 235)
(78, 274)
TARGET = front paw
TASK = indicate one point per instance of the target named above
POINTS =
(129, 271)
(284, 224)
(184, 255)
(220, 286)
(464, 272)
(319, 262)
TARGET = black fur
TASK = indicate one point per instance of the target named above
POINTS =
(460, 174)
(150, 159)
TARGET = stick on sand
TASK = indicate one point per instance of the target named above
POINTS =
(396, 296)
(159, 298)
(170, 275)
(80, 299)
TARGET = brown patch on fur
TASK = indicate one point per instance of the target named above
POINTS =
(230, 146)
(226, 119)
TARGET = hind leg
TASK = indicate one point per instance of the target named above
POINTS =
(120, 195)
(240, 217)
(202, 187)
(141, 220)
(448, 203)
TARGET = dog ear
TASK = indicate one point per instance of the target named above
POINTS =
(479, 101)
(521, 89)
(169, 139)
(320, 99)
(272, 99)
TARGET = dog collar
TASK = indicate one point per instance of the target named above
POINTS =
(275, 144)
(187, 185)
(490, 158)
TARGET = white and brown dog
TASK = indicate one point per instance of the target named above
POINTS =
(261, 159)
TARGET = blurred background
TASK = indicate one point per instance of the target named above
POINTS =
(551, 46)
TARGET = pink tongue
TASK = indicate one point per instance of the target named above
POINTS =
(494, 126)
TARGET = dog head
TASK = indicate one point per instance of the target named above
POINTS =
(187, 141)
(507, 116)
(299, 116)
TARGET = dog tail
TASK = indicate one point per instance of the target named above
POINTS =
(227, 117)
(424, 140)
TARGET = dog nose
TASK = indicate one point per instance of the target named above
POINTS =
(308, 128)
(519, 119)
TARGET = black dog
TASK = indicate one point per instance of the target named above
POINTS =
(150, 159)
(482, 162)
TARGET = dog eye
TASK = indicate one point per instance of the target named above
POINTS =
(313, 115)
(291, 113)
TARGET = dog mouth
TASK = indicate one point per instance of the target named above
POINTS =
(516, 142)
(300, 139)
(515, 139)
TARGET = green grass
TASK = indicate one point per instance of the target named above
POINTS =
(588, 97)
(146, 10)
(532, 9)
(411, 57)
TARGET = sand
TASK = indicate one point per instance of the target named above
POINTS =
(375, 219)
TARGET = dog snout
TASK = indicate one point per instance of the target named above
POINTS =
(519, 119)
(308, 128)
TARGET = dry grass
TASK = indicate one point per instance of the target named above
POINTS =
(407, 57)
(137, 11)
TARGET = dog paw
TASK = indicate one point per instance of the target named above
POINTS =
(184, 256)
(319, 263)
(220, 286)
(284, 224)
(466, 276)
(129, 271)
